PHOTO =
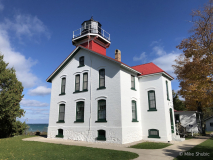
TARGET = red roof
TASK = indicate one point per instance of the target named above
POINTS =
(148, 68)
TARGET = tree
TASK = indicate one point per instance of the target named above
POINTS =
(178, 104)
(194, 68)
(10, 97)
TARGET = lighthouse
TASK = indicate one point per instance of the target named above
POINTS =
(92, 36)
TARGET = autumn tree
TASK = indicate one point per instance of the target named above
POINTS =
(177, 103)
(194, 67)
(10, 97)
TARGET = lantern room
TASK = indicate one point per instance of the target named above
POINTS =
(91, 35)
(91, 26)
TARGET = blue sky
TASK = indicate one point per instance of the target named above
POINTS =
(35, 37)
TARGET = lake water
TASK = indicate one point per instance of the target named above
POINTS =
(37, 127)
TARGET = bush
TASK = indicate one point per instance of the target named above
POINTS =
(19, 128)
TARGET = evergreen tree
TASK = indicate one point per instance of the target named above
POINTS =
(10, 97)
(178, 104)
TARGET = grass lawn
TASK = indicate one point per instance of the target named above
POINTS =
(15, 148)
(208, 132)
(150, 145)
(190, 137)
(205, 147)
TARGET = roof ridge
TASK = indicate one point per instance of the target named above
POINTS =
(142, 64)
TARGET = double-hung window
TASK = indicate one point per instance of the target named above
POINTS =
(132, 82)
(152, 101)
(85, 81)
(81, 61)
(61, 113)
(167, 91)
(77, 83)
(101, 78)
(63, 84)
(134, 111)
(80, 112)
(101, 111)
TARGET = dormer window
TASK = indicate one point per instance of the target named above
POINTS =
(81, 61)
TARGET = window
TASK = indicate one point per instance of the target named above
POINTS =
(79, 112)
(102, 79)
(77, 82)
(101, 135)
(171, 120)
(211, 124)
(63, 83)
(60, 133)
(81, 61)
(61, 113)
(177, 118)
(132, 82)
(101, 111)
(167, 91)
(152, 101)
(85, 81)
(153, 133)
(134, 111)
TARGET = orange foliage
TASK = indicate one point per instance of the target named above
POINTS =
(194, 68)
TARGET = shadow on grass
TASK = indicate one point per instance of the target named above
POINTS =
(202, 151)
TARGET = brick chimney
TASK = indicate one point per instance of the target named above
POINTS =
(118, 55)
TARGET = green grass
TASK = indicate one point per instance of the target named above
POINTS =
(209, 132)
(150, 145)
(15, 148)
(206, 146)
(190, 137)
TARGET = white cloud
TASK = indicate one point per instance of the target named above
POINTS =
(40, 91)
(155, 42)
(22, 26)
(26, 25)
(140, 58)
(1, 7)
(35, 109)
(32, 103)
(158, 50)
(18, 61)
(166, 61)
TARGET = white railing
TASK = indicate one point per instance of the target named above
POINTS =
(91, 29)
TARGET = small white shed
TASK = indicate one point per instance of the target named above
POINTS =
(188, 119)
(209, 123)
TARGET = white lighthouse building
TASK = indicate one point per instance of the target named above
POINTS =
(98, 98)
